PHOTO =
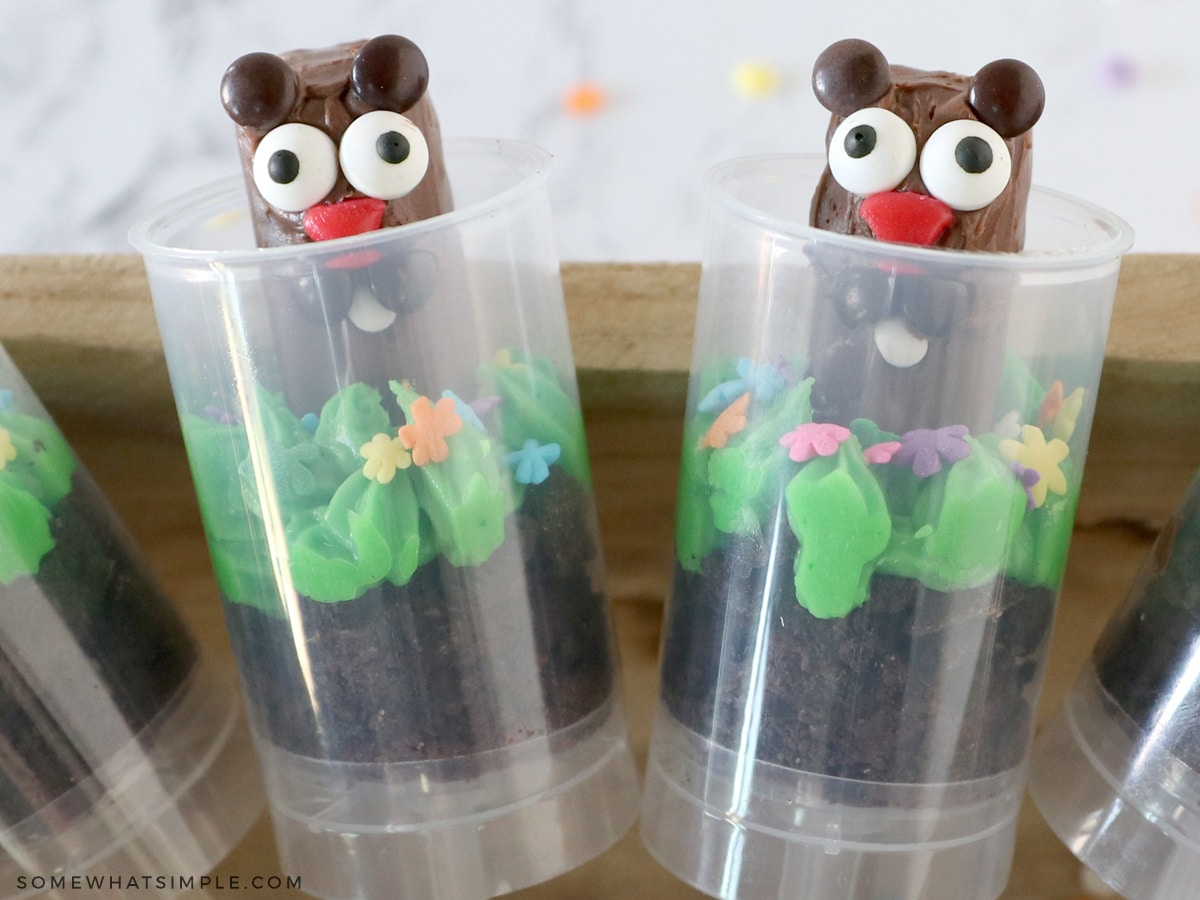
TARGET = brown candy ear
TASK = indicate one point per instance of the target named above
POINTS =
(849, 75)
(389, 72)
(259, 90)
(1008, 96)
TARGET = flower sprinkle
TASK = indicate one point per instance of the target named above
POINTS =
(384, 455)
(722, 395)
(1028, 478)
(8, 452)
(879, 454)
(484, 405)
(786, 370)
(764, 380)
(584, 99)
(221, 416)
(1034, 452)
(729, 422)
(531, 464)
(429, 426)
(1009, 425)
(814, 439)
(1051, 404)
(464, 409)
(504, 359)
(925, 450)
(1068, 415)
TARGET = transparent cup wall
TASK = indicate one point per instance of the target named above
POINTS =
(882, 456)
(1116, 773)
(121, 753)
(388, 449)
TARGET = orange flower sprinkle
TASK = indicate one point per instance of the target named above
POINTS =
(729, 422)
(584, 99)
(425, 435)
(1051, 404)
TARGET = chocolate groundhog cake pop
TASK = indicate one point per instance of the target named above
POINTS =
(928, 158)
(896, 352)
(903, 356)
(334, 143)
(399, 508)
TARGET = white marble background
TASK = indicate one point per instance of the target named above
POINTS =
(111, 106)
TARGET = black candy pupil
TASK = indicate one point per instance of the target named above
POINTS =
(860, 141)
(283, 166)
(973, 154)
(392, 147)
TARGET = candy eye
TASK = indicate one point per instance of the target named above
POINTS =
(872, 150)
(295, 166)
(384, 155)
(965, 164)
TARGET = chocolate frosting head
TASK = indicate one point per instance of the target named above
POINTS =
(925, 157)
(298, 107)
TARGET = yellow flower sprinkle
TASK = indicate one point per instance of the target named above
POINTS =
(7, 451)
(1068, 416)
(1034, 452)
(754, 80)
(504, 359)
(384, 455)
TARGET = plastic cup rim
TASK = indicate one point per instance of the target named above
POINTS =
(228, 194)
(1120, 239)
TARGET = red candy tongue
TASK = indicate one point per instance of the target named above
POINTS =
(906, 217)
(342, 219)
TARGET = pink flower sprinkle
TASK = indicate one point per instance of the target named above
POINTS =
(814, 439)
(879, 454)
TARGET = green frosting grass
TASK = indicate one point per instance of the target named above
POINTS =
(37, 465)
(359, 506)
(946, 508)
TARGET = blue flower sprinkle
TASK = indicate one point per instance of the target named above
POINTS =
(763, 380)
(309, 422)
(465, 411)
(722, 395)
(531, 464)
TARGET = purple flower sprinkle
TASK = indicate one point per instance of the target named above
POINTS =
(1117, 72)
(925, 450)
(1028, 478)
(785, 369)
(485, 405)
(220, 416)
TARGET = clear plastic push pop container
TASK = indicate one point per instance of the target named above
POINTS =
(1116, 773)
(121, 752)
(387, 444)
(882, 456)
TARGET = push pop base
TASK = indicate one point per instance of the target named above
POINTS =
(173, 802)
(460, 829)
(736, 828)
(1127, 808)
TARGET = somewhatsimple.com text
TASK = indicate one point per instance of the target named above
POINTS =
(133, 883)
